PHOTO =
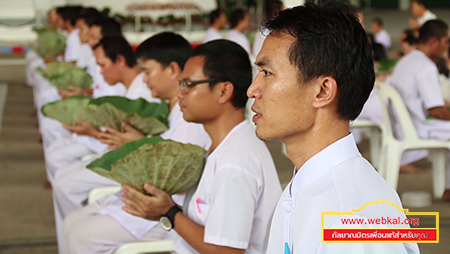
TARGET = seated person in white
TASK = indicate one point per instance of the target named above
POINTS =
(381, 36)
(421, 14)
(217, 21)
(116, 58)
(69, 15)
(239, 23)
(103, 226)
(52, 130)
(231, 208)
(313, 79)
(416, 78)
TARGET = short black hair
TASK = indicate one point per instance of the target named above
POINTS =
(273, 7)
(227, 61)
(108, 26)
(69, 13)
(236, 16)
(89, 15)
(329, 41)
(435, 28)
(165, 47)
(420, 2)
(410, 37)
(378, 21)
(115, 46)
(214, 15)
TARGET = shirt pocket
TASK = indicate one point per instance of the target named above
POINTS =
(201, 211)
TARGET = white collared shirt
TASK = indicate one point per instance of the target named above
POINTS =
(85, 56)
(73, 46)
(240, 39)
(416, 78)
(212, 34)
(236, 195)
(179, 130)
(139, 89)
(428, 15)
(337, 179)
(384, 39)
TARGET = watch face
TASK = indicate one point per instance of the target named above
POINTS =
(165, 223)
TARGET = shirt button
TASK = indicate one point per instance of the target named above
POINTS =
(288, 208)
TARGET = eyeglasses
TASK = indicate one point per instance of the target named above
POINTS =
(184, 84)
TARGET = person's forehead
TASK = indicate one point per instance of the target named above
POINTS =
(194, 67)
(276, 47)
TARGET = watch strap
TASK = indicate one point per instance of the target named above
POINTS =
(172, 212)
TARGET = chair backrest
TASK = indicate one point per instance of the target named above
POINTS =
(389, 96)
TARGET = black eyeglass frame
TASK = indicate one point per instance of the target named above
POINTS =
(184, 84)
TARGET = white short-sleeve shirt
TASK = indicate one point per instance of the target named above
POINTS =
(212, 34)
(384, 39)
(179, 130)
(240, 39)
(428, 15)
(85, 56)
(236, 195)
(337, 179)
(73, 46)
(139, 89)
(416, 78)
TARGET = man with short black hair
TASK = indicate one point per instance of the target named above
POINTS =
(69, 15)
(381, 36)
(420, 11)
(315, 74)
(231, 208)
(416, 78)
(239, 23)
(217, 20)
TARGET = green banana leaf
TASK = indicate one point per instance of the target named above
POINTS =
(170, 166)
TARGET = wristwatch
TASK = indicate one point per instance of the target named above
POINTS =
(167, 220)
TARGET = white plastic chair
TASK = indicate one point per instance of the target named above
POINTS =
(392, 148)
(100, 192)
(375, 138)
(137, 247)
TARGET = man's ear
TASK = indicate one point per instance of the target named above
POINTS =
(120, 61)
(326, 92)
(225, 91)
(175, 70)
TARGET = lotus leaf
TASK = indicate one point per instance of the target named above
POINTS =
(170, 166)
(386, 66)
(65, 110)
(64, 74)
(43, 29)
(148, 118)
(49, 43)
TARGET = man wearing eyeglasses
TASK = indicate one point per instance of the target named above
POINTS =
(231, 209)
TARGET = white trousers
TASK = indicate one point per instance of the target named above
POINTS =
(51, 130)
(86, 231)
(63, 152)
(71, 188)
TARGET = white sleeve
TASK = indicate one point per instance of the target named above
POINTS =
(430, 88)
(230, 217)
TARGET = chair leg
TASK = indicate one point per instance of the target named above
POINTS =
(439, 158)
(393, 165)
(375, 143)
(383, 159)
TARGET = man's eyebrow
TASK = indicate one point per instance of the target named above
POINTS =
(263, 62)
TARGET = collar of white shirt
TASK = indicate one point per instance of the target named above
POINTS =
(318, 165)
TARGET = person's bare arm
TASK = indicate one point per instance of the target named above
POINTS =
(153, 207)
(442, 113)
